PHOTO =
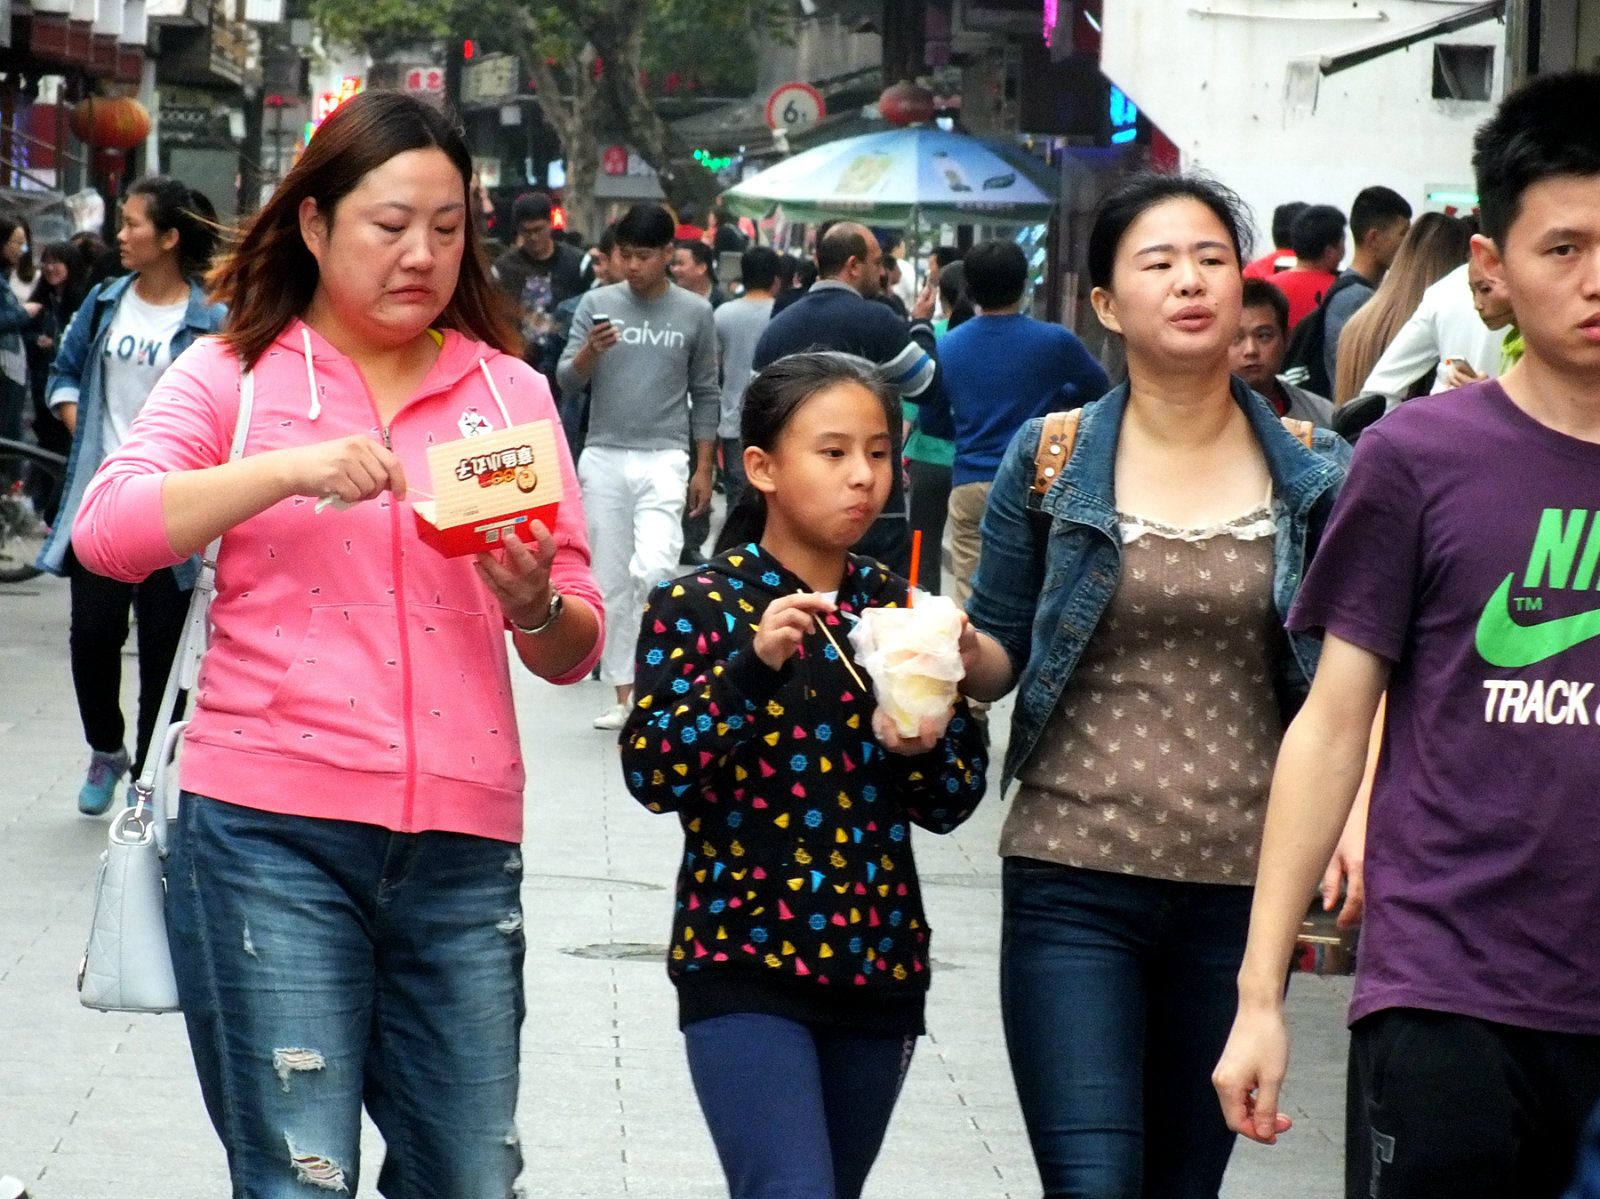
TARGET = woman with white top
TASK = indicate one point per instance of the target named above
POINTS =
(121, 340)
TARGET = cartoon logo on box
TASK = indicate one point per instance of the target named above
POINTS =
(514, 465)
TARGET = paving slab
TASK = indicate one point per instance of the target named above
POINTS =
(607, 1107)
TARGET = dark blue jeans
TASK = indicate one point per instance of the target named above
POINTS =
(1117, 994)
(323, 964)
(796, 1112)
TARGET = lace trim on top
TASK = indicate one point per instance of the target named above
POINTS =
(1252, 526)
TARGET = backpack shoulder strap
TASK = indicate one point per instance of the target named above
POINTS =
(1302, 429)
(1055, 447)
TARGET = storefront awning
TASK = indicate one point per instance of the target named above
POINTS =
(1343, 60)
(1307, 70)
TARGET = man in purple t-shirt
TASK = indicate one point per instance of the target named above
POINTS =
(1459, 575)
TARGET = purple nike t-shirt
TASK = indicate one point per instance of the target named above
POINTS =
(1464, 549)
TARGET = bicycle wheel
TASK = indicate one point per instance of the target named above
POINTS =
(30, 493)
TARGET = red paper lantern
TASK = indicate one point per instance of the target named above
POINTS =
(110, 122)
(905, 103)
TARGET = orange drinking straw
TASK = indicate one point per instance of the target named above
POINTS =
(916, 560)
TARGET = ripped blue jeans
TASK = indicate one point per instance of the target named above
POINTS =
(323, 965)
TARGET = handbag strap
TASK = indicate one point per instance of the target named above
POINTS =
(191, 646)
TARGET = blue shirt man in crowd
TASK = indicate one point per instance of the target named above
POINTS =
(1000, 370)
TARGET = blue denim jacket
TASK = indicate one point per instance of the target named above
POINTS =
(81, 364)
(1044, 610)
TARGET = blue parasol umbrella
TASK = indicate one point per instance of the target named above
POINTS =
(904, 177)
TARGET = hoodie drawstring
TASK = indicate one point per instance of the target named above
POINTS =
(311, 376)
(316, 400)
(495, 392)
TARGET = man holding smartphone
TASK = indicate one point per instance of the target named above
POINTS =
(647, 351)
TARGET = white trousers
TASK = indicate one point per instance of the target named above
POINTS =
(633, 500)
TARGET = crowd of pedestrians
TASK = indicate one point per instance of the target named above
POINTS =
(1250, 665)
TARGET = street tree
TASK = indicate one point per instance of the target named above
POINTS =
(623, 58)
(563, 66)
(701, 41)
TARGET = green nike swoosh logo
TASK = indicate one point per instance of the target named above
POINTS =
(1505, 643)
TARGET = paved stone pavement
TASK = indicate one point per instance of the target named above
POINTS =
(94, 1106)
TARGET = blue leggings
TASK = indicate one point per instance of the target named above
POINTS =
(796, 1111)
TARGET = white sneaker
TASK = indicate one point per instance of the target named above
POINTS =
(613, 717)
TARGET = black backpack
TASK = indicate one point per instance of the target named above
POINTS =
(1302, 362)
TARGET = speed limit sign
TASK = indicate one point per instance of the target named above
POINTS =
(794, 105)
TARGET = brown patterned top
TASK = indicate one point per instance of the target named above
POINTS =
(1157, 758)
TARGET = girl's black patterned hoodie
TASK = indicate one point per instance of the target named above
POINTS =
(798, 894)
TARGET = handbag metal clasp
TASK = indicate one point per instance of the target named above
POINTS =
(144, 803)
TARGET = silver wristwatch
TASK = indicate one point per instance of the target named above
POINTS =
(557, 603)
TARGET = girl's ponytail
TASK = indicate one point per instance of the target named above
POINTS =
(174, 205)
(747, 521)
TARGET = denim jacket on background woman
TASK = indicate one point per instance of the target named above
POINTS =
(78, 376)
(1043, 609)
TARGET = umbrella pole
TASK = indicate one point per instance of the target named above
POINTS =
(916, 245)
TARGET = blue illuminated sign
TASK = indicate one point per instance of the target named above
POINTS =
(1124, 117)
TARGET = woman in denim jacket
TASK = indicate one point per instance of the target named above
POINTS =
(1138, 605)
(124, 335)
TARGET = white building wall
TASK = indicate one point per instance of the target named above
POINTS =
(1212, 74)
(820, 47)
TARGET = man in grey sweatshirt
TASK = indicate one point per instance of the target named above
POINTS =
(647, 351)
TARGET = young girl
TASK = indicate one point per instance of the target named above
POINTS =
(799, 944)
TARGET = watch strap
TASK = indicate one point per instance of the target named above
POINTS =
(553, 614)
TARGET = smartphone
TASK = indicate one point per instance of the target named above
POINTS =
(599, 321)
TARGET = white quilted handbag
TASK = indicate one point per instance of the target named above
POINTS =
(127, 965)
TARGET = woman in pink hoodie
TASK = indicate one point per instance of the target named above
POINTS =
(343, 885)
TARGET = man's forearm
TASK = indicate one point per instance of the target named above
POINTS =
(1320, 767)
(704, 455)
(582, 363)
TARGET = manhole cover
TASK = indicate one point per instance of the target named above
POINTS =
(621, 951)
(986, 882)
(583, 882)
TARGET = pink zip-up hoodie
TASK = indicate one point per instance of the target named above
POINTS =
(353, 672)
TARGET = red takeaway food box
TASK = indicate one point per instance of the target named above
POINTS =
(486, 489)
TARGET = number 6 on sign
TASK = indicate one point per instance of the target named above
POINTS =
(794, 105)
